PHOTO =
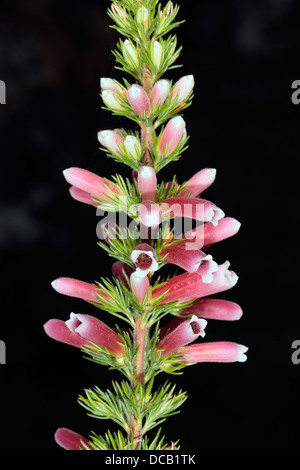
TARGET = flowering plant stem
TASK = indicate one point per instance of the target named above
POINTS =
(136, 295)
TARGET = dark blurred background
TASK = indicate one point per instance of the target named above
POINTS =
(244, 55)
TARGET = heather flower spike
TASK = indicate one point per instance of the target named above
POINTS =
(161, 288)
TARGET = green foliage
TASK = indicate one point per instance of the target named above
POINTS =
(124, 403)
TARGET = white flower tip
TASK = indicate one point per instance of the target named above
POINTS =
(163, 83)
(66, 174)
(157, 45)
(70, 323)
(233, 278)
(207, 278)
(139, 273)
(178, 120)
(236, 225)
(241, 356)
(147, 171)
(104, 82)
(217, 214)
(190, 78)
(134, 90)
(55, 284)
(102, 135)
(213, 172)
(202, 324)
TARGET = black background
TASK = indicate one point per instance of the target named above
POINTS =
(244, 56)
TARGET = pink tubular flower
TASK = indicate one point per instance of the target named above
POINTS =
(189, 286)
(147, 183)
(140, 286)
(81, 329)
(190, 260)
(171, 135)
(209, 233)
(78, 289)
(160, 92)
(138, 100)
(70, 440)
(198, 209)
(220, 351)
(149, 213)
(111, 140)
(199, 183)
(88, 184)
(144, 259)
(183, 88)
(215, 309)
(186, 332)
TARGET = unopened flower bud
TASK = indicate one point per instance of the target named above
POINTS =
(172, 135)
(183, 88)
(109, 84)
(160, 92)
(138, 100)
(130, 51)
(133, 146)
(157, 51)
(142, 16)
(110, 140)
(111, 100)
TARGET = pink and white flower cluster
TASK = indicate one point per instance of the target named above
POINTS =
(199, 277)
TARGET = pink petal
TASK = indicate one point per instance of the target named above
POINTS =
(183, 87)
(199, 183)
(58, 330)
(172, 135)
(70, 440)
(221, 351)
(177, 254)
(189, 286)
(186, 332)
(226, 228)
(198, 209)
(138, 100)
(78, 289)
(95, 331)
(215, 309)
(82, 196)
(160, 92)
(80, 330)
(209, 233)
(89, 182)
